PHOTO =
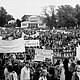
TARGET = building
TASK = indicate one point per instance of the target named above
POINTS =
(33, 22)
(11, 21)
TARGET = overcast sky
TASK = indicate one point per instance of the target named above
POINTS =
(18, 8)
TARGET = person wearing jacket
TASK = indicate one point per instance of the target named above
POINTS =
(25, 72)
(12, 74)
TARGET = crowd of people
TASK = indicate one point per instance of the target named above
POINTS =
(50, 39)
(31, 70)
(61, 41)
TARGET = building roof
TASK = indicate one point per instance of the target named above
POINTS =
(33, 18)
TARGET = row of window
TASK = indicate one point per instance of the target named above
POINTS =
(32, 25)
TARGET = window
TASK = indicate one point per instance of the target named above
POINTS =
(24, 24)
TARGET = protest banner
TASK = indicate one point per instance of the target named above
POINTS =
(31, 43)
(41, 54)
(12, 46)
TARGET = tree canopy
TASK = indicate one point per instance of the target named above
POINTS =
(64, 16)
(50, 19)
(4, 17)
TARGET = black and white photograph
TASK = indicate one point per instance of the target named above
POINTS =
(39, 39)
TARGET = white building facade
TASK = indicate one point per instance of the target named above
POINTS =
(33, 22)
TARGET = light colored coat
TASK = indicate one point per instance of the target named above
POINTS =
(25, 73)
(62, 76)
(6, 73)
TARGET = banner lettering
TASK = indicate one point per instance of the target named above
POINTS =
(32, 43)
(41, 54)
(12, 46)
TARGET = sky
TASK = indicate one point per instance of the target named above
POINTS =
(18, 8)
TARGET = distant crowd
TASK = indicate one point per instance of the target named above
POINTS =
(56, 40)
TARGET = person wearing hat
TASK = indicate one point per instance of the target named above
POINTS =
(25, 72)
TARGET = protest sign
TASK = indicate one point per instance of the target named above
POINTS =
(41, 54)
(12, 46)
(31, 43)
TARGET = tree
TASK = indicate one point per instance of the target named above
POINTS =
(66, 16)
(4, 17)
(77, 8)
(50, 16)
(9, 17)
(18, 22)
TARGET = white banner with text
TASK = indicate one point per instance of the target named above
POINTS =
(31, 43)
(41, 54)
(12, 46)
